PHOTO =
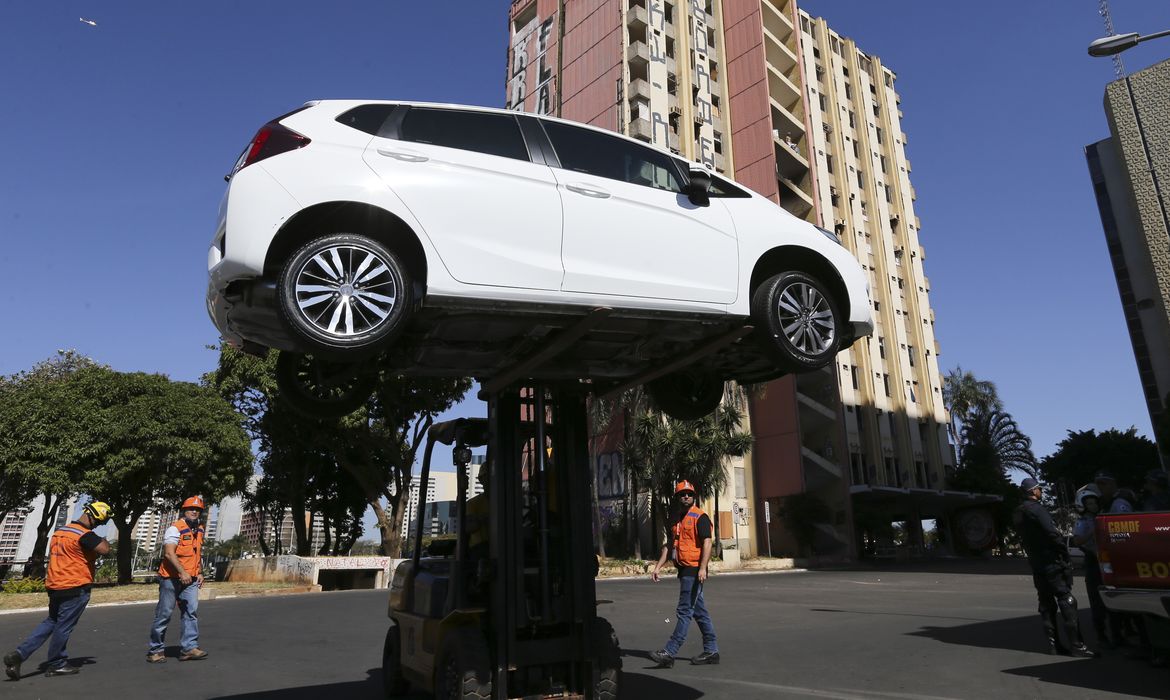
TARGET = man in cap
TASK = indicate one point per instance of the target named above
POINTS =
(1051, 571)
(179, 579)
(1157, 491)
(690, 548)
(73, 552)
(1112, 501)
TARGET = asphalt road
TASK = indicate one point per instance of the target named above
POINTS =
(888, 635)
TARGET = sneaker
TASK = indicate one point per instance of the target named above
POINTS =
(662, 658)
(707, 657)
(12, 662)
(65, 670)
(157, 657)
(193, 655)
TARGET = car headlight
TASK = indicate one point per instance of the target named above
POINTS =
(830, 235)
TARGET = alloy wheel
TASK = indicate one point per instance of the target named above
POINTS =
(345, 290)
(806, 318)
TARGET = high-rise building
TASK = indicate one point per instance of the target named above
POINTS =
(441, 489)
(230, 512)
(18, 530)
(1130, 171)
(253, 523)
(763, 92)
(11, 529)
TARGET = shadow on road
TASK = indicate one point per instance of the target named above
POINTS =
(633, 685)
(997, 566)
(1112, 673)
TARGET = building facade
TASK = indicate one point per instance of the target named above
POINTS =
(1130, 172)
(774, 98)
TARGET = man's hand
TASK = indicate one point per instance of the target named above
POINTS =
(702, 574)
(185, 578)
(654, 575)
(199, 580)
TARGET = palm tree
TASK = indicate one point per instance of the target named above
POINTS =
(965, 395)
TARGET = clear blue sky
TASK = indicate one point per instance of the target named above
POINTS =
(116, 139)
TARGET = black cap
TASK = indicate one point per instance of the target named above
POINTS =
(1028, 484)
(1103, 476)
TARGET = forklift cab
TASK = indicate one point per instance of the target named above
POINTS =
(504, 606)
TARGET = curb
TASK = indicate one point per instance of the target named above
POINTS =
(295, 590)
(714, 574)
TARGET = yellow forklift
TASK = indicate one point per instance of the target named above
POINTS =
(507, 608)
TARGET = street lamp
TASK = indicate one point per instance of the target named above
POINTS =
(1116, 43)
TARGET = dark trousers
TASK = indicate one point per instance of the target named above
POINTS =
(64, 612)
(1101, 617)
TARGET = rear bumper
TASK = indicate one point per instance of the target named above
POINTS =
(1137, 600)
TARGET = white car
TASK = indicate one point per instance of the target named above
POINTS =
(445, 240)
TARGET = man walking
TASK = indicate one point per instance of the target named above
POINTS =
(1051, 571)
(179, 580)
(73, 550)
(691, 550)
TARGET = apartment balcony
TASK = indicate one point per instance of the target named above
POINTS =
(642, 129)
(638, 54)
(819, 471)
(638, 18)
(778, 53)
(783, 90)
(638, 88)
(789, 162)
(786, 121)
(776, 18)
(794, 200)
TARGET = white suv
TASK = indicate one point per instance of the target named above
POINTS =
(441, 240)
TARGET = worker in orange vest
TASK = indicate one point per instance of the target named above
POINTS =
(179, 579)
(690, 547)
(73, 551)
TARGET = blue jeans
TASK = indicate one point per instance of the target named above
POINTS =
(691, 604)
(170, 590)
(63, 616)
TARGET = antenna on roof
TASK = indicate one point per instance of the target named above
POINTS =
(1103, 10)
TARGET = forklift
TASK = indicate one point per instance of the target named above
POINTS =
(507, 608)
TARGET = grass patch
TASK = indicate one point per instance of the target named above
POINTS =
(134, 592)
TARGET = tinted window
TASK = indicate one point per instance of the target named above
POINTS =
(367, 118)
(483, 132)
(588, 151)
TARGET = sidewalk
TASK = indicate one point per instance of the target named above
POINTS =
(635, 568)
(141, 593)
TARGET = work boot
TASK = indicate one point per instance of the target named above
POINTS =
(1072, 628)
(156, 657)
(65, 670)
(12, 662)
(1082, 651)
(707, 657)
(1055, 647)
(662, 658)
(193, 655)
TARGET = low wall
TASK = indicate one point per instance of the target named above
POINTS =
(340, 572)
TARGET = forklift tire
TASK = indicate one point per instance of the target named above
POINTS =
(607, 680)
(464, 669)
(393, 684)
(686, 394)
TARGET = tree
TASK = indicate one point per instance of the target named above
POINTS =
(965, 395)
(992, 443)
(40, 448)
(232, 548)
(1127, 455)
(156, 440)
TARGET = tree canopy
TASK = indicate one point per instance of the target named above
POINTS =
(1127, 455)
(965, 395)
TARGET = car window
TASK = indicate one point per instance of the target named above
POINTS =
(588, 151)
(367, 118)
(720, 186)
(483, 132)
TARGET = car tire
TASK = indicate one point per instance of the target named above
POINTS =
(687, 394)
(464, 669)
(322, 388)
(608, 670)
(345, 294)
(797, 321)
(393, 684)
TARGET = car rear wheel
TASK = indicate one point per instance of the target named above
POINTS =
(345, 293)
(797, 321)
(686, 394)
(321, 388)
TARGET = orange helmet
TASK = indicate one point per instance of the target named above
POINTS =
(193, 502)
(683, 485)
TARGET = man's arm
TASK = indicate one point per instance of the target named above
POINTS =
(171, 558)
(660, 564)
(95, 543)
(706, 557)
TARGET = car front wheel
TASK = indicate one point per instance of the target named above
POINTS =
(345, 293)
(322, 388)
(797, 321)
(686, 394)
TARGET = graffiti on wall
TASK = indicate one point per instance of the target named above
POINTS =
(530, 70)
(611, 476)
(701, 81)
(657, 75)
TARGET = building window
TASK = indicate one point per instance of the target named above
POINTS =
(888, 193)
(824, 103)
(852, 119)
(856, 150)
(882, 347)
(886, 383)
(879, 134)
(829, 163)
(882, 159)
(910, 354)
(848, 91)
(861, 178)
(853, 376)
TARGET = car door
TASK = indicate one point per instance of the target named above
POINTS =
(493, 215)
(628, 228)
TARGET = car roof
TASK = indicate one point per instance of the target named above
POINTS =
(498, 110)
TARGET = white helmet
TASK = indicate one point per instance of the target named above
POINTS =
(1089, 491)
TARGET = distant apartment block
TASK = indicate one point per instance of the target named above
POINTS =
(1130, 172)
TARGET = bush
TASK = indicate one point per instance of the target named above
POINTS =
(107, 572)
(25, 585)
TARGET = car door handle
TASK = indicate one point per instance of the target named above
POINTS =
(403, 156)
(587, 191)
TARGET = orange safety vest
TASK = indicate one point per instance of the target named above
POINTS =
(189, 550)
(70, 565)
(688, 551)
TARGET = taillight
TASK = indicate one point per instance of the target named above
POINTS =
(272, 139)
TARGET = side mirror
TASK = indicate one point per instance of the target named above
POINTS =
(698, 187)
